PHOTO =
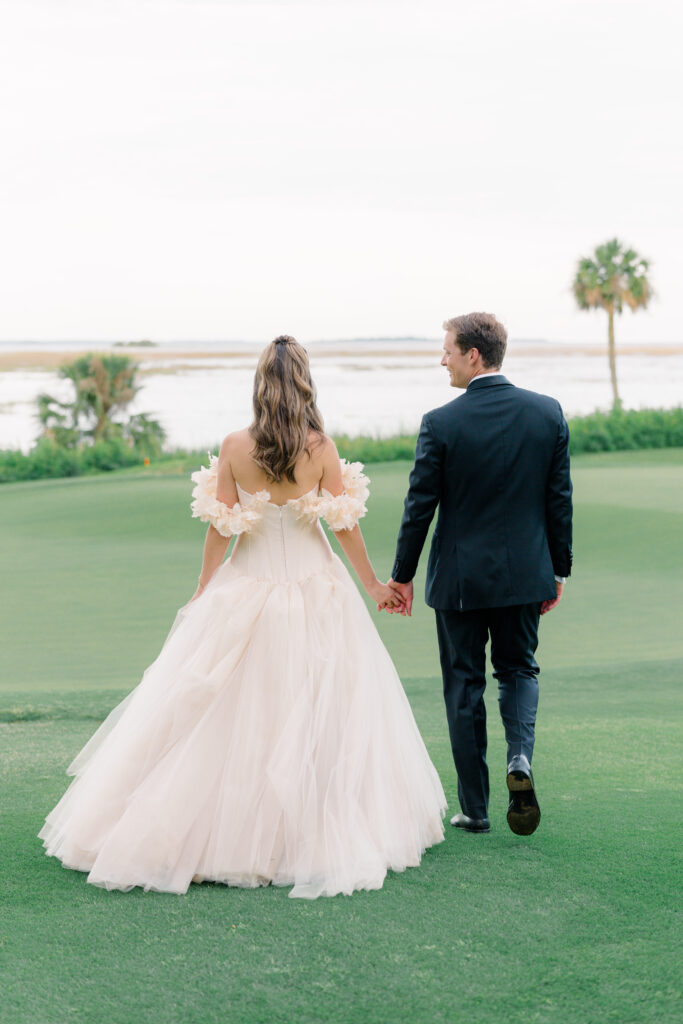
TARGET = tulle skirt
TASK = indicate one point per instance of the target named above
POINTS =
(270, 742)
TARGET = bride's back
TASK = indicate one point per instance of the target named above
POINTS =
(308, 469)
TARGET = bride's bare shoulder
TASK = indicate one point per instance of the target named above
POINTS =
(237, 442)
(322, 447)
(328, 461)
(323, 442)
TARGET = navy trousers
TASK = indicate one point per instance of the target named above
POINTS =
(462, 648)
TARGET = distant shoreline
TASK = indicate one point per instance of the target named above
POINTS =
(18, 359)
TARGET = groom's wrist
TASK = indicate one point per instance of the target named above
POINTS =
(560, 579)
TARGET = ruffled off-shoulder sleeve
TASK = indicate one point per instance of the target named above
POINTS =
(341, 511)
(227, 520)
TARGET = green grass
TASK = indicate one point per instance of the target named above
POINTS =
(574, 925)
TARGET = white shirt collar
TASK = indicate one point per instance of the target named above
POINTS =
(488, 373)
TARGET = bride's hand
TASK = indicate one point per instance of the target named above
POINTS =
(198, 592)
(385, 597)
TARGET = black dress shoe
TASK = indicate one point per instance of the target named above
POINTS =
(471, 824)
(524, 813)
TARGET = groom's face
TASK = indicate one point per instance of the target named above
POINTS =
(457, 363)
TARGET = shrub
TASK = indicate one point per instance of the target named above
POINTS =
(47, 459)
(624, 430)
(104, 456)
(376, 449)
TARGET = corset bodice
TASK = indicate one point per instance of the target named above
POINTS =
(282, 546)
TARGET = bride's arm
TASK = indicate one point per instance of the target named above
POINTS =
(354, 548)
(215, 544)
(352, 541)
(215, 547)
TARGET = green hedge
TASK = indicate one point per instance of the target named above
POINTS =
(618, 430)
(376, 449)
(627, 430)
(47, 459)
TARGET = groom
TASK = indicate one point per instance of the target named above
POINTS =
(496, 462)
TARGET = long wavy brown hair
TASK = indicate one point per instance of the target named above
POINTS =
(284, 409)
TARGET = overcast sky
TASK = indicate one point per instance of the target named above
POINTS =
(186, 169)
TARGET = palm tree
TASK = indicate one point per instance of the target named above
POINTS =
(103, 385)
(613, 277)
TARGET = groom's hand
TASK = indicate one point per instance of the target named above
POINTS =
(405, 591)
(546, 606)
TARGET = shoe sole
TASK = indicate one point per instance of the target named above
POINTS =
(524, 813)
(474, 831)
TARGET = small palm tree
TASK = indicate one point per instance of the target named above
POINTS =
(613, 277)
(103, 386)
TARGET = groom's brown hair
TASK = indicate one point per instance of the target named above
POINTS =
(483, 332)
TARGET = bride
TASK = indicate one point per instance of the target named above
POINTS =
(271, 740)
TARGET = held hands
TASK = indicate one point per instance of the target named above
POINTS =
(385, 597)
(405, 592)
(395, 597)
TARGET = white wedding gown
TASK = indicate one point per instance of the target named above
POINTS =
(270, 741)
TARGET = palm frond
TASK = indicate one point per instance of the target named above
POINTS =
(613, 277)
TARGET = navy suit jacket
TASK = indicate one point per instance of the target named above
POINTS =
(496, 463)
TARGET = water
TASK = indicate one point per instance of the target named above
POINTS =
(379, 387)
